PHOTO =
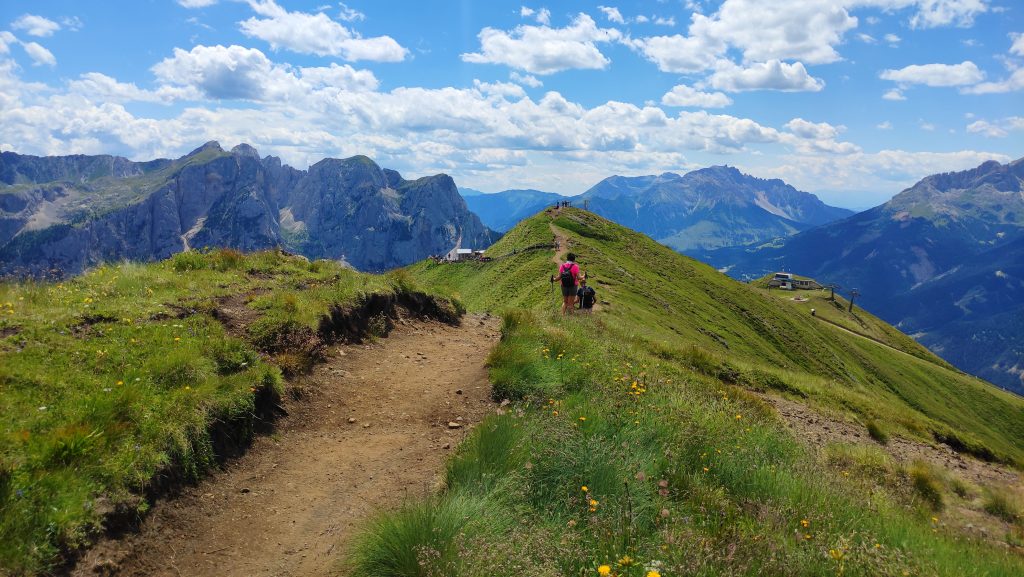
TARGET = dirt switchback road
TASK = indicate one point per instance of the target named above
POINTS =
(373, 430)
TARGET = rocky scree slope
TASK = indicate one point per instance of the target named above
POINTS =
(59, 215)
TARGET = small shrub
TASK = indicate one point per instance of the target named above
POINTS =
(960, 487)
(876, 432)
(188, 261)
(998, 504)
(927, 485)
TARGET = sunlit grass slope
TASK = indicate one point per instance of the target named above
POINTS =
(672, 302)
(115, 382)
(634, 446)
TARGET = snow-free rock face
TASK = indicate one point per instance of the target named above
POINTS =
(59, 215)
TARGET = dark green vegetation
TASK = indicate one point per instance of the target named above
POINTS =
(130, 380)
(943, 260)
(636, 439)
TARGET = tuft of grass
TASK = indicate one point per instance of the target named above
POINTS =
(876, 432)
(419, 539)
(491, 452)
(927, 483)
(1000, 504)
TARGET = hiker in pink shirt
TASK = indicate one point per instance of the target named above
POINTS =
(569, 278)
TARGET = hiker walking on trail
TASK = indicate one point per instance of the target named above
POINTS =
(569, 278)
(585, 296)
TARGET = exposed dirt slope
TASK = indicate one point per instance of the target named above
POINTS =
(289, 506)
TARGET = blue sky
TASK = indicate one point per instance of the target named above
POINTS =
(851, 99)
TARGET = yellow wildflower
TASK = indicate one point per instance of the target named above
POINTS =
(653, 574)
(805, 523)
(626, 561)
(604, 570)
(584, 488)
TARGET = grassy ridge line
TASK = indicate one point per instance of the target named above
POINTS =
(615, 459)
(122, 374)
(673, 302)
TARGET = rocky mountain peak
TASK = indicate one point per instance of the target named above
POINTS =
(211, 145)
(244, 150)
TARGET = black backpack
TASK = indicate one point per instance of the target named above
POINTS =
(566, 277)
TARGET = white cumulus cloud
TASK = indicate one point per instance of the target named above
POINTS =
(1018, 44)
(678, 53)
(238, 73)
(962, 74)
(612, 14)
(1013, 83)
(683, 95)
(316, 34)
(525, 79)
(197, 3)
(39, 54)
(771, 75)
(894, 94)
(935, 13)
(545, 50)
(36, 25)
(998, 129)
(350, 14)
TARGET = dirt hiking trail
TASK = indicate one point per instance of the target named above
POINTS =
(375, 426)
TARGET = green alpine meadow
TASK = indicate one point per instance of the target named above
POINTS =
(689, 425)
(642, 440)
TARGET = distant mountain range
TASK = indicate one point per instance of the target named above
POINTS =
(63, 214)
(704, 209)
(501, 211)
(708, 208)
(943, 261)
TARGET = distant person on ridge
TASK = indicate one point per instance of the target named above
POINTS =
(586, 296)
(569, 278)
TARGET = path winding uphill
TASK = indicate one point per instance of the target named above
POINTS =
(374, 430)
